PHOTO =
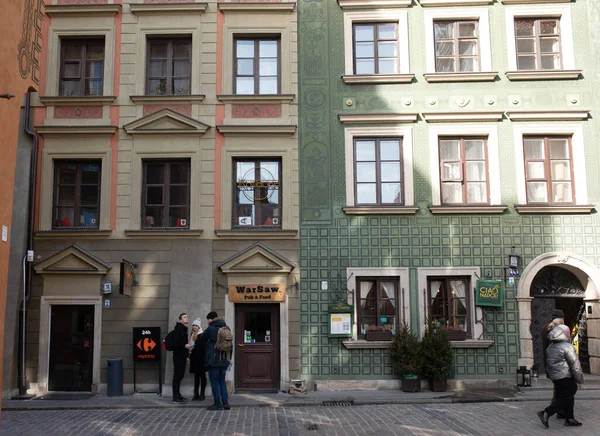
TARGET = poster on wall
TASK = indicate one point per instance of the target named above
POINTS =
(341, 320)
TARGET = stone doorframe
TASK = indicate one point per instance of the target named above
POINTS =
(587, 274)
(44, 348)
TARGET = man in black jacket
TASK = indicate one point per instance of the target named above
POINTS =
(180, 355)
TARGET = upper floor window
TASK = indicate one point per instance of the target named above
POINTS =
(548, 169)
(378, 171)
(375, 48)
(463, 170)
(538, 43)
(456, 46)
(256, 197)
(76, 193)
(166, 193)
(169, 66)
(377, 304)
(257, 69)
(448, 304)
(82, 67)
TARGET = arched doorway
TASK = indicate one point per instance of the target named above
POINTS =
(554, 287)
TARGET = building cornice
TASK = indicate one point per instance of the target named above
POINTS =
(77, 101)
(165, 234)
(544, 75)
(552, 209)
(479, 76)
(373, 4)
(442, 3)
(378, 118)
(531, 2)
(54, 11)
(163, 99)
(168, 8)
(76, 130)
(378, 78)
(256, 235)
(258, 7)
(551, 115)
(71, 234)
(256, 98)
(495, 209)
(442, 117)
(368, 210)
(257, 129)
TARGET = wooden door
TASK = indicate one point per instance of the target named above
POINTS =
(257, 347)
(71, 348)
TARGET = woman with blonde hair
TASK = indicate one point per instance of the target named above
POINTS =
(197, 354)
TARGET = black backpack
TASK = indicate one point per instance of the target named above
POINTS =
(170, 341)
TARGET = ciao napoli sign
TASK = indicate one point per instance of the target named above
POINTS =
(489, 293)
(265, 293)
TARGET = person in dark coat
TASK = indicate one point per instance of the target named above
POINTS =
(565, 372)
(558, 318)
(217, 363)
(180, 355)
(197, 357)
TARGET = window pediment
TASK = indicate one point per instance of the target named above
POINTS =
(73, 260)
(166, 121)
(255, 259)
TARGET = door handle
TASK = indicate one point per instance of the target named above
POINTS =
(240, 345)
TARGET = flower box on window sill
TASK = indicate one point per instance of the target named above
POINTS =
(456, 335)
(378, 335)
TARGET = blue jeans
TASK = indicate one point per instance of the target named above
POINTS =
(217, 384)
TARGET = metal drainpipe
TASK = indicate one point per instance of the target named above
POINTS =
(31, 216)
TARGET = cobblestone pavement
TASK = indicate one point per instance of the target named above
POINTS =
(480, 419)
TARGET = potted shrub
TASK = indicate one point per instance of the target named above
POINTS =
(437, 358)
(379, 333)
(406, 358)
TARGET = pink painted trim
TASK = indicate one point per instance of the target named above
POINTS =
(77, 112)
(82, 2)
(256, 111)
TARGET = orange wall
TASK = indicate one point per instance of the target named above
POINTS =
(13, 35)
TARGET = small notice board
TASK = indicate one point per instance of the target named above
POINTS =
(489, 293)
(341, 320)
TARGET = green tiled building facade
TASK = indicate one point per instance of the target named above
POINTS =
(423, 237)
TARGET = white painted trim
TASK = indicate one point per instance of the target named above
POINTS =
(404, 305)
(491, 132)
(541, 10)
(576, 133)
(44, 344)
(474, 272)
(391, 15)
(479, 14)
(407, 158)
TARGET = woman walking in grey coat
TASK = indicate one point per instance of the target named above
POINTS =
(565, 372)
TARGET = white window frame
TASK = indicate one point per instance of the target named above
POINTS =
(480, 15)
(394, 16)
(562, 11)
(491, 134)
(576, 133)
(405, 133)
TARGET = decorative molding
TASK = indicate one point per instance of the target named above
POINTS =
(256, 258)
(76, 130)
(361, 344)
(78, 112)
(258, 7)
(71, 234)
(371, 118)
(442, 3)
(256, 110)
(378, 210)
(82, 2)
(478, 76)
(166, 121)
(472, 343)
(544, 75)
(185, 109)
(441, 117)
(378, 78)
(373, 4)
(62, 263)
(77, 101)
(549, 115)
(168, 8)
(531, 2)
(167, 99)
(257, 234)
(575, 208)
(257, 129)
(256, 98)
(165, 234)
(81, 10)
(437, 210)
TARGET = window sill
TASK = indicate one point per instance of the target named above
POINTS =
(254, 7)
(165, 234)
(528, 2)
(543, 75)
(362, 344)
(71, 234)
(438, 210)
(257, 129)
(526, 208)
(77, 100)
(393, 118)
(375, 210)
(472, 343)
(95, 10)
(479, 76)
(551, 115)
(257, 234)
(442, 117)
(378, 78)
(190, 98)
(76, 130)
(373, 4)
(425, 3)
(256, 98)
(162, 8)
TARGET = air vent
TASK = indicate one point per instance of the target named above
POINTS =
(338, 403)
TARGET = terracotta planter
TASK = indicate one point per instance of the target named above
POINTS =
(438, 385)
(410, 385)
(379, 336)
